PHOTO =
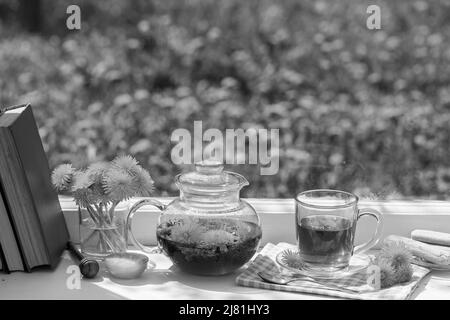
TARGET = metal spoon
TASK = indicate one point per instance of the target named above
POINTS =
(284, 280)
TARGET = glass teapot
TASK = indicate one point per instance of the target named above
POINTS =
(208, 230)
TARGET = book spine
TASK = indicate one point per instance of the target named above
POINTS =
(12, 255)
(21, 204)
(33, 160)
(3, 264)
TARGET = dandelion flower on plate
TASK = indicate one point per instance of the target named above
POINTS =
(291, 259)
(394, 260)
(403, 273)
(387, 278)
(396, 253)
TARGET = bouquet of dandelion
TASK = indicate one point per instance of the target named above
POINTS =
(98, 190)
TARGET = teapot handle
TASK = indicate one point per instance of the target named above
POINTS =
(128, 225)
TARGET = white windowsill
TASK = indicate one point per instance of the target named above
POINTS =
(277, 218)
(278, 225)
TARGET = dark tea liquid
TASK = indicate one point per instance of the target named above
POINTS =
(325, 241)
(216, 255)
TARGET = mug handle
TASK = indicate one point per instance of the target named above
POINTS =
(377, 235)
(134, 208)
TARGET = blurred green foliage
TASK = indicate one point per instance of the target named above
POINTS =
(360, 110)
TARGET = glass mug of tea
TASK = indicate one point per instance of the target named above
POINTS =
(325, 225)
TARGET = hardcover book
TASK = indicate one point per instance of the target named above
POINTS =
(10, 256)
(32, 204)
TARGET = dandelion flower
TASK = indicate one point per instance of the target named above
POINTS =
(118, 185)
(103, 182)
(186, 233)
(387, 278)
(62, 177)
(82, 197)
(96, 171)
(396, 253)
(143, 182)
(127, 164)
(394, 261)
(81, 181)
(291, 259)
(80, 189)
(216, 237)
(403, 273)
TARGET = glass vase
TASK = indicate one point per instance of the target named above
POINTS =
(102, 230)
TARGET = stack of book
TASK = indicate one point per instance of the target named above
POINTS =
(33, 232)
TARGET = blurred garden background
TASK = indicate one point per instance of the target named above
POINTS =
(362, 110)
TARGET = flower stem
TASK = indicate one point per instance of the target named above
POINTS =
(109, 237)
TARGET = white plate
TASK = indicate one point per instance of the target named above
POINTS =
(358, 263)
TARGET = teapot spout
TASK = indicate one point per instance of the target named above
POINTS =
(243, 182)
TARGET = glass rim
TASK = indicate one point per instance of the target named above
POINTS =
(354, 199)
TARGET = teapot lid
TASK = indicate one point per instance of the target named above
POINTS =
(208, 177)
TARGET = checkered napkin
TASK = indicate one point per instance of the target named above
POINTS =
(266, 261)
